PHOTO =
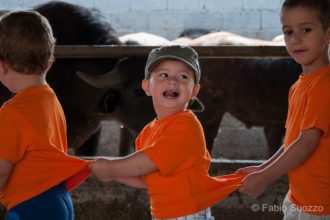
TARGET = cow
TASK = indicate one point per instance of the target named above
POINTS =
(224, 38)
(145, 39)
(267, 71)
(85, 106)
(187, 35)
(279, 39)
(134, 109)
(253, 90)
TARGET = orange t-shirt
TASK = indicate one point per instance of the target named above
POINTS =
(182, 185)
(33, 139)
(309, 107)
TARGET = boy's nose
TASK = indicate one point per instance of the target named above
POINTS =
(172, 80)
(295, 38)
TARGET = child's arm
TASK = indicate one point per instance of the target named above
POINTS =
(135, 181)
(131, 166)
(252, 169)
(5, 170)
(255, 183)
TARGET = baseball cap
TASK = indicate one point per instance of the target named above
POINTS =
(185, 54)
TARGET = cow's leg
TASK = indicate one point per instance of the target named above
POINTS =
(89, 148)
(274, 135)
(211, 124)
(126, 141)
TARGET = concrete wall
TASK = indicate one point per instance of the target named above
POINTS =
(258, 18)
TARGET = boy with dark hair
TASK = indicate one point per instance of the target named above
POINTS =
(305, 155)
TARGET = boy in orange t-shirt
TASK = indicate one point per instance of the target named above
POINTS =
(305, 155)
(35, 171)
(171, 161)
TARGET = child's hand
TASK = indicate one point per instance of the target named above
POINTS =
(254, 184)
(247, 170)
(99, 169)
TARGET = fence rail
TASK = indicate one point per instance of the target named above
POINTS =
(214, 160)
(109, 51)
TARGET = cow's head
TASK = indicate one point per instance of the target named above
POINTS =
(82, 102)
(123, 84)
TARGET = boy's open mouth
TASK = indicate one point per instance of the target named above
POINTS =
(299, 51)
(170, 94)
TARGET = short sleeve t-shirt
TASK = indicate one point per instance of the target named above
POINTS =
(182, 185)
(309, 107)
(33, 139)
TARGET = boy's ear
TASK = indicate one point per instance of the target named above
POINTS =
(3, 67)
(50, 63)
(146, 86)
(328, 35)
(195, 91)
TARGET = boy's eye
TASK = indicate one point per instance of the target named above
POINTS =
(306, 29)
(183, 77)
(287, 32)
(163, 75)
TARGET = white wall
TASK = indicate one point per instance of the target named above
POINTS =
(254, 18)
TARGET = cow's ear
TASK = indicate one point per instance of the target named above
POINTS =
(146, 86)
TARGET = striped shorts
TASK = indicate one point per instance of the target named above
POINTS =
(202, 215)
(291, 212)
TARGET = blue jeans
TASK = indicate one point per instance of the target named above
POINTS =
(53, 204)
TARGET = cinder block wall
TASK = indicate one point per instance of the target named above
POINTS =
(258, 18)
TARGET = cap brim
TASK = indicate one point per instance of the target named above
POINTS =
(196, 106)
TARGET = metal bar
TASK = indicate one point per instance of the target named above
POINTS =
(213, 160)
(109, 51)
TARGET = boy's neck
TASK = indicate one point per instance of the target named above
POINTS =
(161, 115)
(312, 68)
(23, 81)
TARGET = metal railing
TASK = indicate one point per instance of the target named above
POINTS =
(109, 51)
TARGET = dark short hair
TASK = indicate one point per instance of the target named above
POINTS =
(321, 6)
(26, 41)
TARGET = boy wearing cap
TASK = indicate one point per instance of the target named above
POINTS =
(171, 159)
